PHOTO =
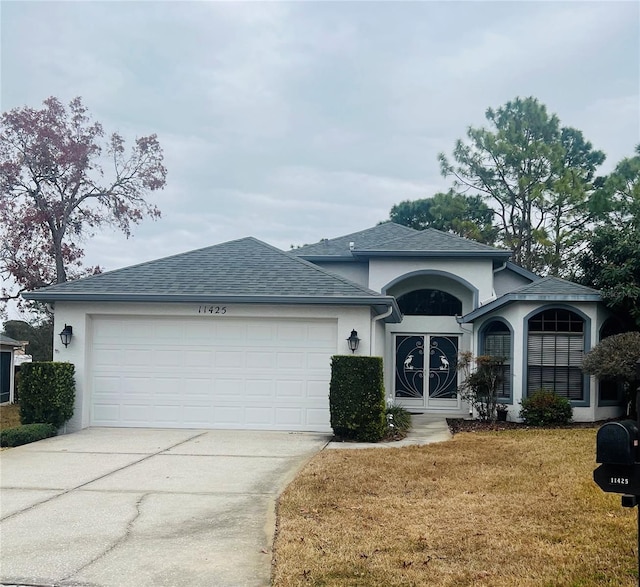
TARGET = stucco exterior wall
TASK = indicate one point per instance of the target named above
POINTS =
(356, 272)
(506, 280)
(478, 273)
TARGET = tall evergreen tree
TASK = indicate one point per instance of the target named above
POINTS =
(536, 175)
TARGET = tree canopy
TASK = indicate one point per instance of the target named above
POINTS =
(39, 334)
(536, 175)
(467, 216)
(614, 357)
(61, 179)
(611, 259)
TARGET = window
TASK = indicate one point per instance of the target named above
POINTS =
(429, 302)
(496, 342)
(555, 350)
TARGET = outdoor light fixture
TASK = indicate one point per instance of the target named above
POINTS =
(66, 334)
(353, 341)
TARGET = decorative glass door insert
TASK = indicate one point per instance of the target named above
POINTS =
(437, 387)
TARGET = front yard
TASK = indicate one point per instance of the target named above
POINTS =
(516, 507)
(9, 416)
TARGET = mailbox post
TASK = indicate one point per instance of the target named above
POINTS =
(618, 453)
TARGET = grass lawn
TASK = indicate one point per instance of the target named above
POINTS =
(9, 416)
(517, 507)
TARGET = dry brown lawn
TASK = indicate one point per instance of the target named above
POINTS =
(9, 416)
(484, 509)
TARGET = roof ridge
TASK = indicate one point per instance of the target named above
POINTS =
(354, 235)
(451, 236)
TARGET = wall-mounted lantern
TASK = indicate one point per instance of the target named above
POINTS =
(353, 341)
(66, 334)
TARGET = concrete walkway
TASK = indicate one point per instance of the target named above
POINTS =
(425, 429)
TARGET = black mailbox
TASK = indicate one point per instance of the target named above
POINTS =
(617, 443)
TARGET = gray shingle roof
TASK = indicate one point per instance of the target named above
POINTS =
(432, 242)
(364, 239)
(245, 270)
(8, 341)
(545, 289)
(555, 286)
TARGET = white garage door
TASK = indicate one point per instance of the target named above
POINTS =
(212, 373)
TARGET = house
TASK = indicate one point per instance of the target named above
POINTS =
(11, 355)
(240, 334)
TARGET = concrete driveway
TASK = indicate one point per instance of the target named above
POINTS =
(138, 507)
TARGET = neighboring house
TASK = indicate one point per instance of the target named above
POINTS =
(11, 353)
(240, 335)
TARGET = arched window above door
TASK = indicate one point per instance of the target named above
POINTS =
(429, 302)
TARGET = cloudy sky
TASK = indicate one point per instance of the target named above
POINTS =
(297, 121)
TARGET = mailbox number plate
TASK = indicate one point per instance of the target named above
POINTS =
(618, 478)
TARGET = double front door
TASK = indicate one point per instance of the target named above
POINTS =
(426, 374)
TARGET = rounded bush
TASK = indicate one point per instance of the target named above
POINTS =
(47, 392)
(545, 407)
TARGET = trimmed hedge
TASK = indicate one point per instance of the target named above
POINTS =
(356, 398)
(544, 407)
(47, 392)
(26, 434)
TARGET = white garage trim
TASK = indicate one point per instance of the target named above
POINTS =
(183, 372)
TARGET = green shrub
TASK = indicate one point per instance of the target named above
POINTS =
(47, 393)
(26, 434)
(544, 407)
(356, 398)
(398, 421)
(479, 386)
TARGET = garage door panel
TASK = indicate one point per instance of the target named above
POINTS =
(290, 389)
(259, 416)
(107, 413)
(260, 359)
(240, 373)
(229, 415)
(316, 361)
(260, 332)
(259, 389)
(135, 413)
(138, 358)
(165, 358)
(231, 332)
(198, 358)
(106, 357)
(289, 417)
(290, 360)
(225, 359)
(317, 389)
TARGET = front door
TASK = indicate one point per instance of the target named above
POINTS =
(426, 374)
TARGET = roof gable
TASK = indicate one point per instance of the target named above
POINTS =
(244, 268)
(546, 289)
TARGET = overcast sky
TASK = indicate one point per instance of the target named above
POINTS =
(297, 121)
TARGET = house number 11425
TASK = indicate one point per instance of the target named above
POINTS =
(212, 309)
